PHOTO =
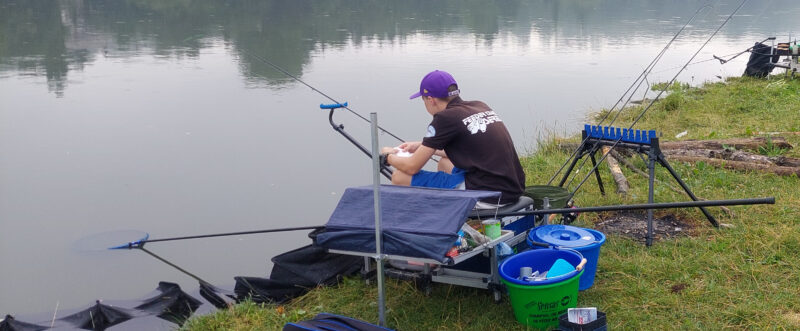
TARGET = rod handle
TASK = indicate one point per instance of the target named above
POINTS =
(332, 105)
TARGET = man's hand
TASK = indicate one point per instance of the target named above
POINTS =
(410, 146)
(388, 150)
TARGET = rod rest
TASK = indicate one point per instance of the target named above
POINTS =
(622, 134)
(332, 105)
(524, 202)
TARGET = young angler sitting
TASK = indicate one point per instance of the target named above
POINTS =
(476, 150)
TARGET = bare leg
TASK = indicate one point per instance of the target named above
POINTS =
(401, 178)
(404, 179)
(445, 165)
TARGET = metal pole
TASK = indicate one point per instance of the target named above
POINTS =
(376, 196)
(651, 169)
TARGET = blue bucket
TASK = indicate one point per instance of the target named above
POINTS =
(585, 241)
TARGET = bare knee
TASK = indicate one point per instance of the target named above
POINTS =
(401, 178)
(445, 165)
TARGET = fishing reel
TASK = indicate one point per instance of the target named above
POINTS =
(568, 218)
(565, 218)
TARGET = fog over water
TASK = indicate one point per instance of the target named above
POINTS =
(163, 116)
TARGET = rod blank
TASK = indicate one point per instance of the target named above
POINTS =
(661, 205)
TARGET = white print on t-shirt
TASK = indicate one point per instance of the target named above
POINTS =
(479, 121)
(431, 131)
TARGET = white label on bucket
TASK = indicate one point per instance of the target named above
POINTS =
(587, 238)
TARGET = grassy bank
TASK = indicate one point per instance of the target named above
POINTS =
(744, 276)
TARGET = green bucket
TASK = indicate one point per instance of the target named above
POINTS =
(538, 304)
(558, 196)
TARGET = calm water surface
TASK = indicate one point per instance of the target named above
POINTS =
(160, 117)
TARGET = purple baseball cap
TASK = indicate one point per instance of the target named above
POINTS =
(435, 84)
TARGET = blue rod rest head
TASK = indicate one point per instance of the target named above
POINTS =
(332, 105)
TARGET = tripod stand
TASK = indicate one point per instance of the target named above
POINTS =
(639, 141)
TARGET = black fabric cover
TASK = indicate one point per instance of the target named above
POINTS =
(759, 63)
(10, 324)
(295, 272)
(218, 297)
(331, 322)
(171, 303)
(98, 317)
(265, 290)
(416, 221)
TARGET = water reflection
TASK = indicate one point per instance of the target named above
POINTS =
(159, 116)
(47, 38)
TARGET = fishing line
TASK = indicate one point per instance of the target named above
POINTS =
(278, 68)
(642, 77)
(639, 117)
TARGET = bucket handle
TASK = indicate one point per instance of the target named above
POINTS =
(580, 265)
(545, 245)
(536, 243)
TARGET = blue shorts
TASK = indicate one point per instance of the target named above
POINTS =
(438, 179)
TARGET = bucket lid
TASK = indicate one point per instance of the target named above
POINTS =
(563, 235)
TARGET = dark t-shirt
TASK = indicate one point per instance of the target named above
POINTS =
(476, 140)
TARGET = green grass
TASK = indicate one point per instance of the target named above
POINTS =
(743, 277)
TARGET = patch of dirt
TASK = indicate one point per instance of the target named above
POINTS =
(634, 225)
(678, 287)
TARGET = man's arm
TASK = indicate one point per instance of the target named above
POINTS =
(412, 146)
(412, 164)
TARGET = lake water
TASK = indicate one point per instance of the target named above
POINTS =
(163, 117)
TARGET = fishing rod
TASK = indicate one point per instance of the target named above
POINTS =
(643, 76)
(657, 205)
(174, 266)
(637, 83)
(283, 71)
(639, 117)
(384, 169)
(207, 290)
(723, 61)
(140, 243)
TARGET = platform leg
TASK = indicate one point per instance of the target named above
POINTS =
(494, 276)
(365, 272)
(426, 279)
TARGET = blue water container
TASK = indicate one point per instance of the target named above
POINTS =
(585, 241)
